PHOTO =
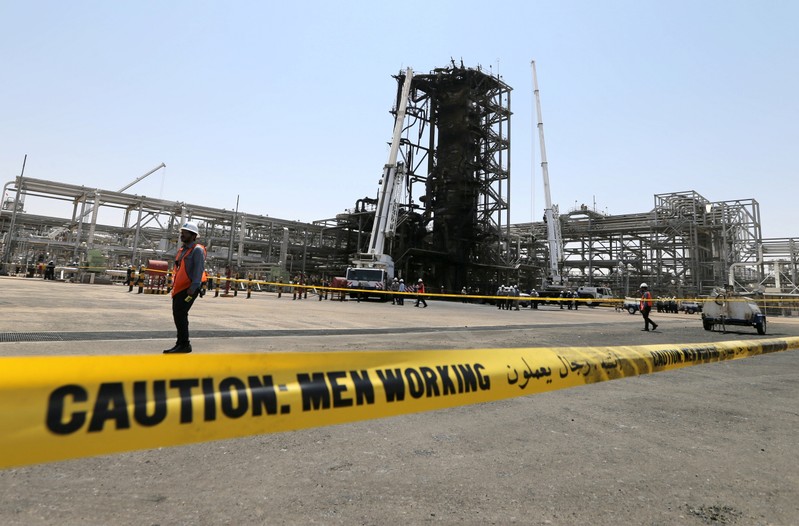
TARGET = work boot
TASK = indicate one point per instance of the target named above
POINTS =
(179, 348)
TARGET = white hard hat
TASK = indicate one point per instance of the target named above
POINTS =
(420, 280)
(190, 227)
(644, 286)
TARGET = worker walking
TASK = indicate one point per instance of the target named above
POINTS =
(420, 293)
(402, 290)
(189, 266)
(646, 307)
(394, 290)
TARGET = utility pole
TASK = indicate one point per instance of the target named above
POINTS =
(232, 227)
(10, 240)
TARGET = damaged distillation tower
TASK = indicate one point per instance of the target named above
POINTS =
(457, 143)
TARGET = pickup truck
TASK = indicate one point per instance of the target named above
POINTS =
(597, 293)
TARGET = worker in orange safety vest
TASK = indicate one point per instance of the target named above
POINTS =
(646, 307)
(189, 270)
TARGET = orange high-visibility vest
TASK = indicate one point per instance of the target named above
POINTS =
(182, 279)
(646, 300)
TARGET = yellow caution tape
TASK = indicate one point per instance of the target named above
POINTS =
(57, 408)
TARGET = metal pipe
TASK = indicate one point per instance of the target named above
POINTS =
(93, 225)
(162, 165)
(743, 264)
(136, 236)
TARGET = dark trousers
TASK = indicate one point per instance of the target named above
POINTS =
(645, 313)
(180, 313)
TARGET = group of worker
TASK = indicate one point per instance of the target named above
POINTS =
(508, 297)
(400, 290)
(569, 299)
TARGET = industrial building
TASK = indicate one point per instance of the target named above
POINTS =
(452, 222)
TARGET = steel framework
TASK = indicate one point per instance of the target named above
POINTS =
(686, 245)
(147, 228)
(456, 150)
(453, 220)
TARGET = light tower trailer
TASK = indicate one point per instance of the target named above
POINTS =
(726, 308)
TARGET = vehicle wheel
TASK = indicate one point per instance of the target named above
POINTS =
(707, 324)
(631, 310)
(690, 311)
(761, 327)
(590, 303)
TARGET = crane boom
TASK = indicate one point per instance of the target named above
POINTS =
(162, 165)
(385, 221)
(553, 227)
(386, 201)
(91, 208)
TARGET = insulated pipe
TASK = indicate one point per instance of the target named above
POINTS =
(93, 225)
(741, 264)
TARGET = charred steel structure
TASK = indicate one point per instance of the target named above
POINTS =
(454, 215)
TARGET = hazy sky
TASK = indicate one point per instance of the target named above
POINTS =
(286, 103)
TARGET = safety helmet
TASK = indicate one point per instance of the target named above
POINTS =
(402, 281)
(188, 226)
(396, 279)
(420, 280)
(644, 286)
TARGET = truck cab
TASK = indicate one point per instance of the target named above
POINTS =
(366, 282)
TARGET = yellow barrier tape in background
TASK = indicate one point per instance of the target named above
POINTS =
(57, 408)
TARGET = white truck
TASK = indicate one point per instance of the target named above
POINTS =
(597, 293)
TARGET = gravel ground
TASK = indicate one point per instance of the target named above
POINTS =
(710, 444)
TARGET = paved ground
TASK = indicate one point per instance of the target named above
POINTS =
(712, 444)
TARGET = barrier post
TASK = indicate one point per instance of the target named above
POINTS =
(140, 280)
(216, 290)
(249, 286)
